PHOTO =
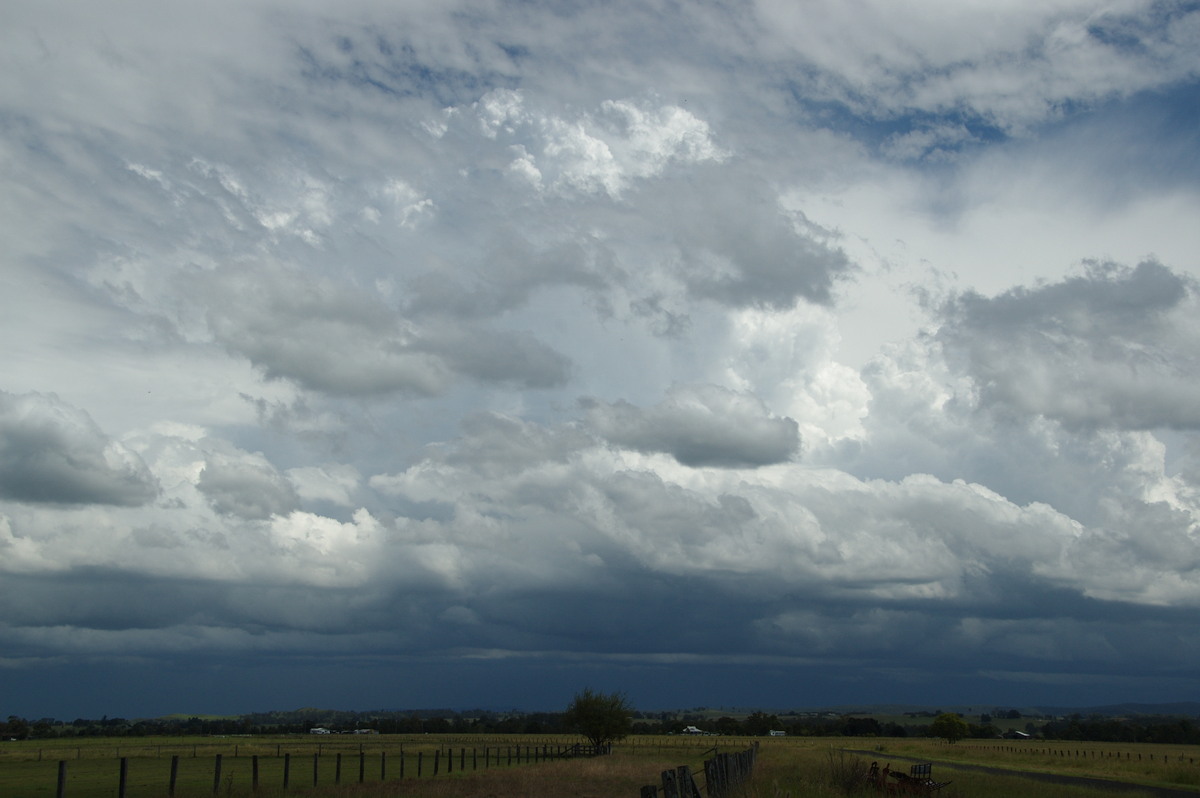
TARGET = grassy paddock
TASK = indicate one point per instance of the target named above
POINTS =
(93, 766)
(806, 768)
(787, 767)
(1176, 766)
(809, 773)
(295, 744)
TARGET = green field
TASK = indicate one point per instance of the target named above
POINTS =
(796, 767)
(802, 771)
(1176, 766)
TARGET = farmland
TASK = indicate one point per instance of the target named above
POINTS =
(518, 765)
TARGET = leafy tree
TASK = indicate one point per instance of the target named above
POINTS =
(949, 726)
(437, 725)
(862, 727)
(983, 731)
(728, 725)
(759, 724)
(17, 728)
(602, 718)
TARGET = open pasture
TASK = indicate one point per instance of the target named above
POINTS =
(798, 767)
(227, 765)
(1175, 766)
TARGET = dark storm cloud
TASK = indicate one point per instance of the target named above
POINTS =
(323, 334)
(512, 269)
(52, 452)
(369, 258)
(700, 426)
(1115, 347)
(738, 247)
(489, 355)
(246, 487)
(336, 339)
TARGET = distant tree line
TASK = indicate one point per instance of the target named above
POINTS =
(433, 721)
(1139, 729)
(1120, 730)
(758, 724)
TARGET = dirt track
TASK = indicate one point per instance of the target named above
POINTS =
(1102, 784)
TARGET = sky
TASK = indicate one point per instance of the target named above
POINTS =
(466, 354)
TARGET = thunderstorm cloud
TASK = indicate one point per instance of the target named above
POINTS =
(457, 354)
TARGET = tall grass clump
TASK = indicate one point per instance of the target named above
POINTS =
(1183, 777)
(845, 772)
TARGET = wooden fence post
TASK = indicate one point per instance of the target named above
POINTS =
(383, 765)
(670, 784)
(714, 776)
(62, 779)
(420, 760)
(316, 764)
(124, 777)
(287, 769)
(217, 774)
(174, 775)
(362, 765)
(254, 773)
(687, 785)
(337, 769)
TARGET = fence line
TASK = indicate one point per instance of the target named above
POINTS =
(722, 774)
(726, 771)
(492, 757)
(1090, 753)
(246, 746)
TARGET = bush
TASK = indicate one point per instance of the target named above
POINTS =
(602, 718)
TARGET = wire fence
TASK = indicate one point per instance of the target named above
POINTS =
(153, 771)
